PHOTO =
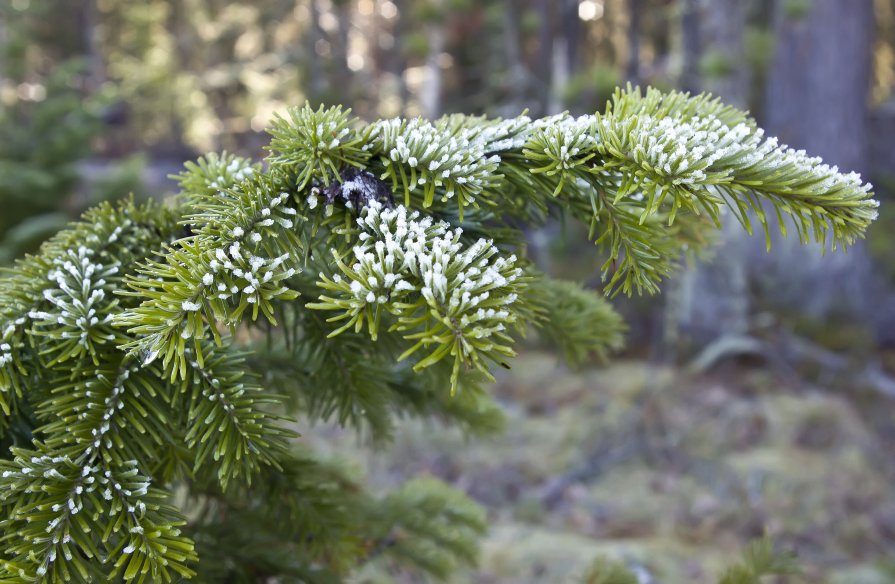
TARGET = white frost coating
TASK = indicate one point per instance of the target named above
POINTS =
(442, 157)
(682, 150)
(405, 254)
(77, 310)
(692, 151)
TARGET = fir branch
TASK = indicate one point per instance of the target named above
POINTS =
(212, 175)
(606, 571)
(760, 560)
(313, 533)
(699, 155)
(429, 525)
(245, 251)
(580, 322)
(113, 237)
(442, 289)
(316, 144)
(225, 421)
(417, 154)
(65, 516)
(459, 300)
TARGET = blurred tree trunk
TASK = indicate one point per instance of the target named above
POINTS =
(544, 61)
(566, 49)
(518, 76)
(173, 22)
(723, 28)
(817, 100)
(343, 76)
(691, 46)
(820, 78)
(317, 86)
(96, 66)
(3, 51)
(572, 33)
(402, 29)
(632, 70)
(430, 94)
(711, 299)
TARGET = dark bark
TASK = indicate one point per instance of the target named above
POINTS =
(565, 49)
(723, 27)
(632, 70)
(317, 84)
(572, 33)
(545, 53)
(819, 80)
(519, 79)
(691, 40)
(96, 71)
(431, 91)
(400, 62)
(342, 74)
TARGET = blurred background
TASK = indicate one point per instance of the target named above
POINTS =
(756, 394)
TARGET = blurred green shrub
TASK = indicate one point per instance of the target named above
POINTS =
(44, 137)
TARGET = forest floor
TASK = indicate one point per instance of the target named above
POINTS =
(670, 472)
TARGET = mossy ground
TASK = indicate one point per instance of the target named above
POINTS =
(669, 472)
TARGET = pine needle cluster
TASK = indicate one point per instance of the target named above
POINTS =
(157, 362)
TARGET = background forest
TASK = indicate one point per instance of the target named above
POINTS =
(756, 394)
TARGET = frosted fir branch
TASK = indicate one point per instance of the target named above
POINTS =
(562, 147)
(676, 149)
(12, 343)
(73, 311)
(112, 235)
(80, 306)
(224, 420)
(460, 156)
(504, 135)
(213, 174)
(217, 275)
(454, 299)
(315, 144)
(65, 514)
(695, 154)
(90, 452)
(416, 154)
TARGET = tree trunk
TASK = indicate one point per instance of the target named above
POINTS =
(96, 71)
(3, 54)
(724, 290)
(691, 46)
(519, 78)
(317, 83)
(430, 94)
(402, 28)
(632, 70)
(817, 100)
(571, 32)
(820, 78)
(545, 53)
(559, 79)
(723, 27)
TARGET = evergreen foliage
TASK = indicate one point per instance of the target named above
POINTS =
(48, 122)
(760, 561)
(154, 358)
(40, 145)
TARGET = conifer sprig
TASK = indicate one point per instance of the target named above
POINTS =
(388, 263)
(245, 249)
(455, 300)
